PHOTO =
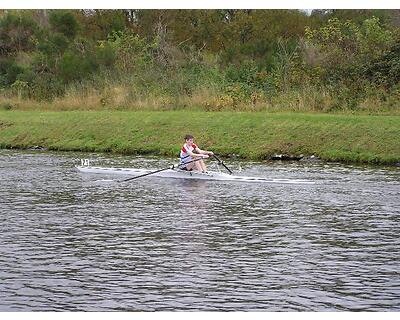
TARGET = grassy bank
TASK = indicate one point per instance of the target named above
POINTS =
(125, 95)
(251, 135)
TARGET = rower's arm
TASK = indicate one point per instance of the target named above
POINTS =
(198, 154)
(210, 153)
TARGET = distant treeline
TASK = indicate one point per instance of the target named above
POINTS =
(331, 60)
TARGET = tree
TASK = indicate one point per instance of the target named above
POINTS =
(64, 22)
(17, 33)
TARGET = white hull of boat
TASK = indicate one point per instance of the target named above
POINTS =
(183, 174)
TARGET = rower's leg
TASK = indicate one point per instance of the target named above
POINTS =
(203, 166)
(198, 165)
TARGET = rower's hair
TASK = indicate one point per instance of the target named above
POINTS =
(188, 136)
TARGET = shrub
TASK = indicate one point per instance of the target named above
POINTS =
(244, 73)
(105, 55)
(385, 70)
(9, 71)
(131, 51)
(21, 88)
(6, 106)
(17, 33)
(64, 22)
(54, 44)
(74, 66)
(46, 86)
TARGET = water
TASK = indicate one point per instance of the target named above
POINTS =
(71, 241)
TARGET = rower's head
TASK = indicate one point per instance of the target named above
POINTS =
(189, 139)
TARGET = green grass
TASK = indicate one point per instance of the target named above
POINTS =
(250, 135)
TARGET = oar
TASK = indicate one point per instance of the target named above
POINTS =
(223, 164)
(153, 172)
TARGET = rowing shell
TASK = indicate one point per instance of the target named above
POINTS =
(183, 174)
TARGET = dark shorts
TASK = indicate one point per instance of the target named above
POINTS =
(186, 169)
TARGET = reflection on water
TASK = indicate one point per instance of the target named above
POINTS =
(86, 242)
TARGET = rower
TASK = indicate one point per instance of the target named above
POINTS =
(191, 151)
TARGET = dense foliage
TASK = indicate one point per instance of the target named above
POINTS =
(208, 59)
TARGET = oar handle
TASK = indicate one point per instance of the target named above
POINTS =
(223, 164)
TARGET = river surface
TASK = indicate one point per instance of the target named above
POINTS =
(83, 242)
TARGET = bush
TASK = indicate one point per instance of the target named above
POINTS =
(9, 71)
(74, 66)
(64, 22)
(385, 70)
(244, 73)
(54, 44)
(20, 88)
(105, 55)
(6, 106)
(347, 45)
(46, 87)
(131, 51)
(17, 33)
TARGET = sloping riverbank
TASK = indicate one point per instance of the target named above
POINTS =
(250, 135)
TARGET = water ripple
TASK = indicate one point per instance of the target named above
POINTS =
(79, 242)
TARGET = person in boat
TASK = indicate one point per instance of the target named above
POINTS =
(189, 152)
